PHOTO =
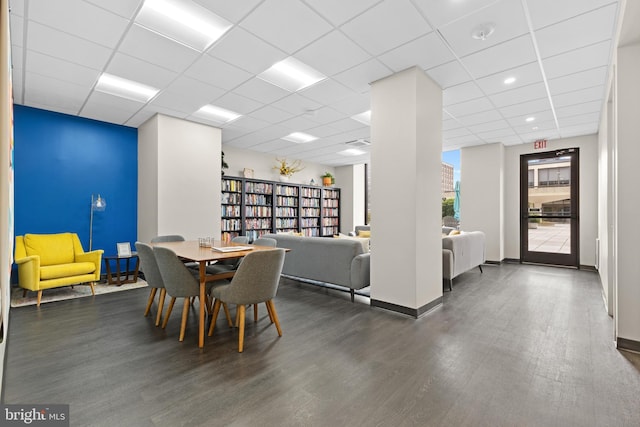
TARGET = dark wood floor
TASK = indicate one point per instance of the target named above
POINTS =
(518, 345)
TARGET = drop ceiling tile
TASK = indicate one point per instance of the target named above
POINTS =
(544, 134)
(484, 117)
(538, 126)
(507, 17)
(17, 59)
(112, 109)
(348, 125)
(338, 11)
(547, 12)
(577, 81)
(283, 147)
(496, 135)
(464, 139)
(325, 115)
(187, 95)
(326, 92)
(577, 32)
(593, 56)
(361, 76)
(579, 109)
(17, 87)
(425, 52)
(261, 91)
(290, 25)
(235, 45)
(525, 75)
(270, 114)
(17, 30)
(153, 48)
(248, 124)
(460, 93)
(237, 103)
(540, 117)
(579, 130)
(521, 94)
(490, 126)
(80, 19)
(54, 93)
(353, 105)
(511, 140)
(131, 68)
(64, 46)
(504, 56)
(448, 124)
(324, 131)
(124, 8)
(230, 133)
(441, 12)
(140, 118)
(230, 10)
(16, 7)
(477, 105)
(56, 109)
(217, 73)
(450, 74)
(267, 134)
(296, 104)
(299, 124)
(526, 108)
(62, 70)
(332, 54)
(376, 33)
(454, 133)
(581, 119)
(595, 93)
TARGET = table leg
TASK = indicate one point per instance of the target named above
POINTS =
(203, 286)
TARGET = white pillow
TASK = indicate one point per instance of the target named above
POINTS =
(364, 241)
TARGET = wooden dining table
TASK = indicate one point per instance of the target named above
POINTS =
(190, 250)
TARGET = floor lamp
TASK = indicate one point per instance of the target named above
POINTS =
(98, 204)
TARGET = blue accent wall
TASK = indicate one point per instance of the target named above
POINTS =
(60, 161)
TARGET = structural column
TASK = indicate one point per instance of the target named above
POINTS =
(406, 152)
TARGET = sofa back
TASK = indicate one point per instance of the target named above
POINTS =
(468, 250)
(52, 249)
(323, 259)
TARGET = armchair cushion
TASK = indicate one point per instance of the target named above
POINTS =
(52, 248)
(65, 270)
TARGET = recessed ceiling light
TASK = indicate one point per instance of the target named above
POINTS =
(183, 21)
(114, 85)
(529, 119)
(299, 137)
(291, 74)
(482, 32)
(217, 114)
(509, 80)
(351, 152)
(364, 118)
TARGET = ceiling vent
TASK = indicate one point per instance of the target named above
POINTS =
(358, 143)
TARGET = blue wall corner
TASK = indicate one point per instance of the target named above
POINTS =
(60, 161)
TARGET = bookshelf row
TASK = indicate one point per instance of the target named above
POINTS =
(257, 207)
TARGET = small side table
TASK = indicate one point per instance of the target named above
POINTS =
(120, 278)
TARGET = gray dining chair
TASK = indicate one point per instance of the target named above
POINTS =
(262, 241)
(152, 276)
(168, 238)
(180, 282)
(227, 265)
(256, 281)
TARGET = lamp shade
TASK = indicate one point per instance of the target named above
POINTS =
(98, 203)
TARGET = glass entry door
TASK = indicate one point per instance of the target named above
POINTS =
(549, 207)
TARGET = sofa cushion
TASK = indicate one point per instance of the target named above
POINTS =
(66, 270)
(52, 248)
(364, 241)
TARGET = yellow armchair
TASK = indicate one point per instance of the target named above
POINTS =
(48, 261)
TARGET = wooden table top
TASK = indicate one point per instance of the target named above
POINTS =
(191, 250)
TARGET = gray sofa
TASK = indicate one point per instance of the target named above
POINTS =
(461, 253)
(341, 262)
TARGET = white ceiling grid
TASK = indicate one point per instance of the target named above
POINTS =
(558, 51)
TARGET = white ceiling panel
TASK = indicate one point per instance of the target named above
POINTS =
(323, 131)
(521, 94)
(246, 51)
(581, 119)
(290, 25)
(489, 126)
(593, 56)
(525, 75)
(540, 117)
(81, 19)
(61, 45)
(62, 70)
(296, 104)
(132, 68)
(299, 123)
(151, 47)
(578, 97)
(376, 33)
(54, 93)
(340, 11)
(140, 117)
(504, 56)
(470, 107)
(359, 77)
(217, 73)
(577, 32)
(441, 12)
(270, 114)
(577, 81)
(16, 7)
(326, 92)
(247, 124)
(530, 107)
(484, 117)
(425, 52)
(506, 16)
(353, 105)
(547, 12)
(538, 126)
(261, 91)
(187, 95)
(579, 109)
(325, 115)
(238, 103)
(332, 54)
(460, 93)
(230, 10)
(115, 109)
(541, 134)
(449, 74)
(17, 30)
(124, 8)
(454, 133)
(450, 123)
(579, 130)
(496, 135)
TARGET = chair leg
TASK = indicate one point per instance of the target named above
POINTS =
(241, 309)
(152, 295)
(163, 294)
(269, 311)
(353, 295)
(480, 267)
(166, 316)
(275, 316)
(185, 316)
(255, 313)
(24, 293)
(39, 297)
(216, 309)
(93, 290)
(227, 314)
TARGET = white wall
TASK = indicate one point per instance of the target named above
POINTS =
(186, 169)
(588, 195)
(352, 184)
(262, 164)
(605, 205)
(482, 195)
